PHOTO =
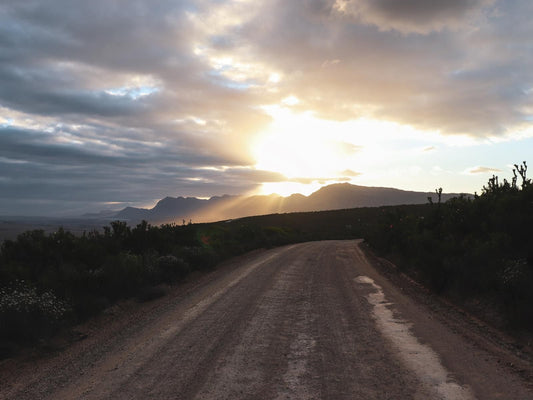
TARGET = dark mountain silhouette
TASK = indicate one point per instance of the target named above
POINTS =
(332, 197)
(345, 195)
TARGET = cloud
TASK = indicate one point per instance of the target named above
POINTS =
(350, 173)
(37, 169)
(413, 16)
(457, 82)
(347, 149)
(482, 170)
(253, 176)
(306, 181)
(129, 101)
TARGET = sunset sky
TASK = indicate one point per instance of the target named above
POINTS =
(105, 104)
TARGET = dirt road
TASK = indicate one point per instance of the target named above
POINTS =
(308, 321)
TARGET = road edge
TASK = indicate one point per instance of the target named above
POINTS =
(515, 356)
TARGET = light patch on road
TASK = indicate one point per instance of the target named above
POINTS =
(297, 359)
(420, 358)
(123, 365)
(202, 305)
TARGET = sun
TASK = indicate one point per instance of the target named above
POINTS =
(309, 151)
(312, 152)
(293, 147)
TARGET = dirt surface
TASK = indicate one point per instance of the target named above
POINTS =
(309, 321)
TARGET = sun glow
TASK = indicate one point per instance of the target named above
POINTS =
(299, 146)
(309, 151)
(312, 152)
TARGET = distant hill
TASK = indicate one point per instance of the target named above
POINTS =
(332, 197)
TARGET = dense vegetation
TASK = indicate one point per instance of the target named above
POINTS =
(470, 249)
(48, 280)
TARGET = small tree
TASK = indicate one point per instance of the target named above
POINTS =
(522, 170)
(439, 194)
(493, 185)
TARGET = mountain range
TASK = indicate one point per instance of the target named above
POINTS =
(332, 197)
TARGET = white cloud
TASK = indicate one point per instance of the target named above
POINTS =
(482, 170)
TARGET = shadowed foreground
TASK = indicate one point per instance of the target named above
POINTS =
(308, 321)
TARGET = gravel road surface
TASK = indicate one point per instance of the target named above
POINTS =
(308, 321)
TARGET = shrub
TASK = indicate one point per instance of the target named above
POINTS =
(122, 275)
(26, 315)
(199, 258)
(172, 268)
